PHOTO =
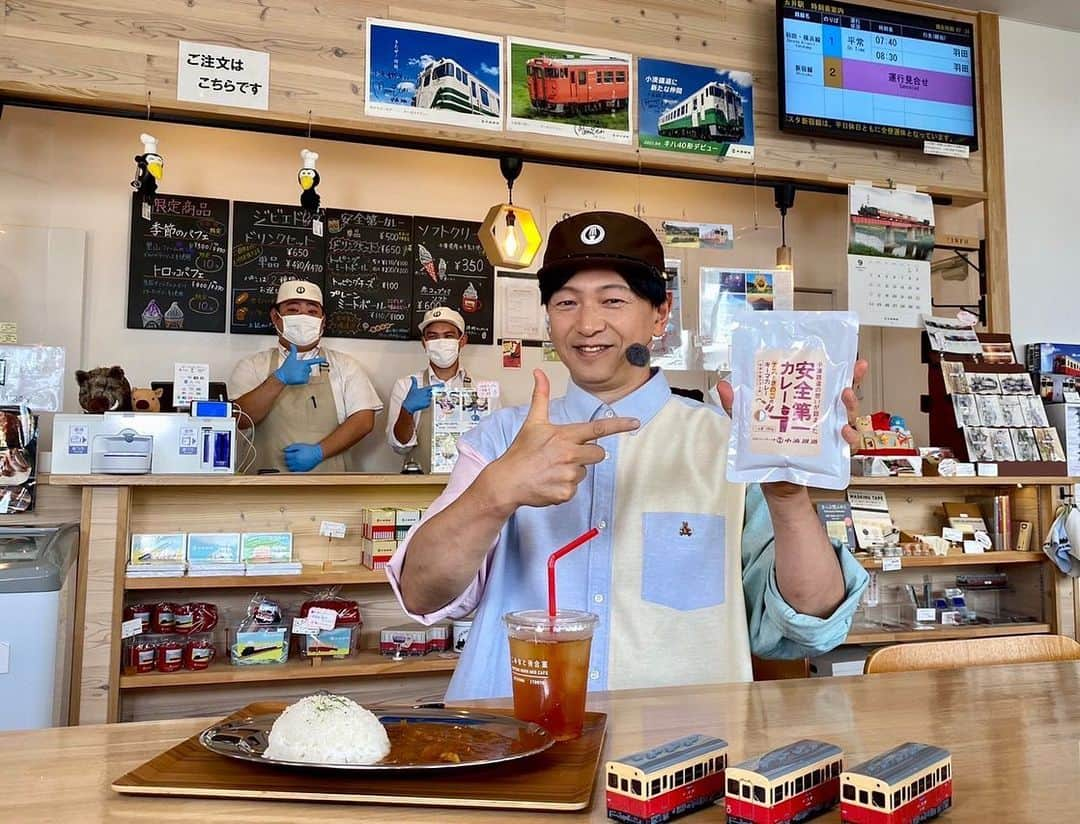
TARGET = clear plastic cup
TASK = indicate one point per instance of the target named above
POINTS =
(549, 668)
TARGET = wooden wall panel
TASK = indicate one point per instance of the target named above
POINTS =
(112, 54)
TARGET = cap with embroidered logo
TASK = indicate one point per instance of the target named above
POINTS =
(444, 314)
(298, 290)
(602, 239)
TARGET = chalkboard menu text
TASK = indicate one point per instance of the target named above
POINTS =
(270, 244)
(451, 269)
(176, 267)
(369, 262)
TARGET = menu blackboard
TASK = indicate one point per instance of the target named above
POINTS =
(176, 268)
(451, 269)
(369, 263)
(270, 244)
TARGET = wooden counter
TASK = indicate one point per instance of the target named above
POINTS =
(1012, 732)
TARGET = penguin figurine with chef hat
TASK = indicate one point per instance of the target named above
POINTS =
(149, 168)
(308, 178)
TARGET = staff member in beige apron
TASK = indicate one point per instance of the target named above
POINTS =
(308, 404)
(442, 332)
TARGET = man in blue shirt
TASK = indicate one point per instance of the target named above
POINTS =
(690, 574)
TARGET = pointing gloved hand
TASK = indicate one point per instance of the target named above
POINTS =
(419, 397)
(296, 372)
(303, 457)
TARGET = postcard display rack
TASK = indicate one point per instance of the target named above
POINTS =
(946, 430)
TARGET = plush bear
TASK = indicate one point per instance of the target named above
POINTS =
(146, 400)
(104, 389)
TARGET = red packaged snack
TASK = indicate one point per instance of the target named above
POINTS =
(140, 656)
(139, 611)
(170, 656)
(198, 653)
(348, 612)
(195, 617)
(163, 617)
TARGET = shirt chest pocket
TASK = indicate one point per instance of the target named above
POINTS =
(683, 559)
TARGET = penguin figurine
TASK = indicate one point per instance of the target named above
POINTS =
(308, 179)
(149, 167)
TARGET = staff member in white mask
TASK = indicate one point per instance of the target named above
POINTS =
(442, 332)
(309, 404)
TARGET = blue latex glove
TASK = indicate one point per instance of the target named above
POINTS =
(419, 398)
(296, 372)
(303, 457)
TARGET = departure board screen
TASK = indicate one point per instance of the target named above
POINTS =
(872, 74)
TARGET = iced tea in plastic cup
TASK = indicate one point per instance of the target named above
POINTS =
(549, 668)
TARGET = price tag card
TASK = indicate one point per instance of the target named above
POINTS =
(332, 529)
(950, 618)
(951, 535)
(131, 627)
(302, 626)
(322, 618)
(926, 614)
(487, 389)
(891, 564)
(973, 548)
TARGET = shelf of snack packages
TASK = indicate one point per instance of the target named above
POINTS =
(363, 663)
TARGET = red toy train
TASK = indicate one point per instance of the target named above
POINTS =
(578, 85)
(906, 785)
(792, 783)
(675, 778)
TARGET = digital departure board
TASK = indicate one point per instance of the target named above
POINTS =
(879, 75)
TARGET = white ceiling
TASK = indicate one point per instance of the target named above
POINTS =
(1061, 14)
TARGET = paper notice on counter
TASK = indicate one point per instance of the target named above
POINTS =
(9, 331)
(191, 382)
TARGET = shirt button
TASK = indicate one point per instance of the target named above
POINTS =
(609, 414)
(602, 525)
(598, 598)
(594, 675)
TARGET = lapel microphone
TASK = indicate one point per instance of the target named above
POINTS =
(637, 354)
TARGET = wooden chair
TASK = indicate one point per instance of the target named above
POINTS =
(972, 652)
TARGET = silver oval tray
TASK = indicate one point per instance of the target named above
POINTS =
(246, 739)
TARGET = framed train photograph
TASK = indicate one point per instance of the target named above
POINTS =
(570, 91)
(425, 73)
(695, 109)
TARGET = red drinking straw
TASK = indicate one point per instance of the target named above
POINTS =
(556, 555)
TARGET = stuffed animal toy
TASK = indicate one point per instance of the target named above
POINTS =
(149, 168)
(104, 389)
(146, 400)
(308, 179)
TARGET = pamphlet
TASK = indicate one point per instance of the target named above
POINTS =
(455, 412)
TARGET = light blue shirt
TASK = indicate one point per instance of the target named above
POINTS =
(515, 575)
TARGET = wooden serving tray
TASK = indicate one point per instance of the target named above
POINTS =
(560, 778)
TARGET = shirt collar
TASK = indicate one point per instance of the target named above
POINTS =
(643, 403)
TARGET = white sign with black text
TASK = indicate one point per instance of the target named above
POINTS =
(223, 76)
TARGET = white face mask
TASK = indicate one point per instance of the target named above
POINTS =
(303, 330)
(442, 352)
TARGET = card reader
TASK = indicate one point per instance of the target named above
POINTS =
(211, 409)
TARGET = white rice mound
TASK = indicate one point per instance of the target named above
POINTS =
(327, 729)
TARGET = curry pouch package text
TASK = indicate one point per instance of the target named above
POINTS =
(788, 371)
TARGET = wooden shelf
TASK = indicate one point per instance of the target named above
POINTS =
(283, 479)
(1025, 480)
(312, 575)
(295, 669)
(985, 559)
(944, 633)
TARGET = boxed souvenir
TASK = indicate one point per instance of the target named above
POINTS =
(263, 636)
(258, 547)
(213, 548)
(406, 639)
(158, 548)
(339, 642)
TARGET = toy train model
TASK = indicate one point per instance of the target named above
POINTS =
(908, 784)
(444, 84)
(713, 112)
(578, 85)
(675, 778)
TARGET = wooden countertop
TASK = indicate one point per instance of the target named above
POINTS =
(1012, 731)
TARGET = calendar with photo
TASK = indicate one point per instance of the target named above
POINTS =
(888, 291)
